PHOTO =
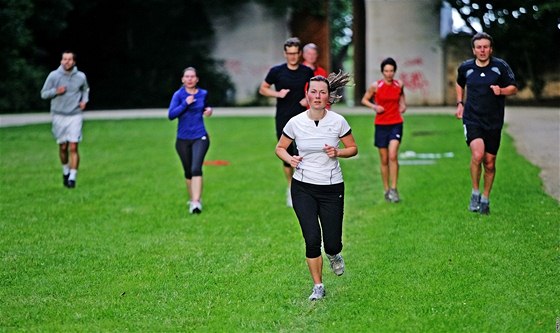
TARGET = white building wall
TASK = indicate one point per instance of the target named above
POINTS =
(249, 42)
(409, 32)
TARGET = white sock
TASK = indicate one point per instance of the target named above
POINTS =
(65, 169)
(475, 192)
(484, 199)
(73, 173)
(319, 285)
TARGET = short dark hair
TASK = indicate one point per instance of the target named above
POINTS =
(293, 41)
(74, 56)
(482, 35)
(389, 61)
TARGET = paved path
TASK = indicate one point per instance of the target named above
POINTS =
(536, 131)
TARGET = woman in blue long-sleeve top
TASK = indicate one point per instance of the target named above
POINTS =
(189, 105)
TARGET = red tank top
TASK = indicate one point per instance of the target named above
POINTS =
(388, 96)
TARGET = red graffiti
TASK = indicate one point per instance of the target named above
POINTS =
(414, 80)
(414, 62)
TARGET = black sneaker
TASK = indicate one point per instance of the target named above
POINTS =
(484, 208)
(65, 179)
(71, 183)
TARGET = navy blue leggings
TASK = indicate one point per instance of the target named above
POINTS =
(319, 208)
(191, 153)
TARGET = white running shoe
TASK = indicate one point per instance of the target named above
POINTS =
(195, 207)
(317, 293)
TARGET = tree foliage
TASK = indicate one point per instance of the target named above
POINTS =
(525, 34)
(132, 51)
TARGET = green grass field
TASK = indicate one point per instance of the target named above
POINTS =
(120, 252)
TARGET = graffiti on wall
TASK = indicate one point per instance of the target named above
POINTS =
(412, 76)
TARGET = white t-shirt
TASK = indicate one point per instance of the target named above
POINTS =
(317, 167)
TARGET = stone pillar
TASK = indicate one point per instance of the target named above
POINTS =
(249, 42)
(409, 32)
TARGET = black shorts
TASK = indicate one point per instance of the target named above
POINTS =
(491, 137)
(385, 133)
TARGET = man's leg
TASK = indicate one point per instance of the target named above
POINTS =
(477, 156)
(63, 153)
(74, 162)
(74, 157)
(489, 173)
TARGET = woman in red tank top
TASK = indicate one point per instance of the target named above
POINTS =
(386, 98)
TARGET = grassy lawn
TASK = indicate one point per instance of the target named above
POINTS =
(121, 253)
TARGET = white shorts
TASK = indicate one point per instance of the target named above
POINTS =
(67, 128)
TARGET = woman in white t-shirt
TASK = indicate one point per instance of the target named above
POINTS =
(317, 185)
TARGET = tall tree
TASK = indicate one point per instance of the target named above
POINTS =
(24, 22)
(524, 32)
(131, 50)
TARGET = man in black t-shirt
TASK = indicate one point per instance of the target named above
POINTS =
(486, 81)
(289, 81)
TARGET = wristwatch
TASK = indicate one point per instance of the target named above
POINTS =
(460, 102)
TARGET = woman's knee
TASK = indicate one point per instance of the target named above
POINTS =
(312, 251)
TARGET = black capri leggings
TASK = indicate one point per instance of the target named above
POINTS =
(319, 207)
(191, 153)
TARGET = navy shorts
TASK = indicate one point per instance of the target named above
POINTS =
(491, 137)
(385, 133)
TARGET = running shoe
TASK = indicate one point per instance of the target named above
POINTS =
(394, 195)
(474, 205)
(195, 207)
(65, 179)
(484, 208)
(337, 264)
(317, 293)
(71, 183)
(387, 198)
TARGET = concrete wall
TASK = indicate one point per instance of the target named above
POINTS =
(409, 32)
(249, 42)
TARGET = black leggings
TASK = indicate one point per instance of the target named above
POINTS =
(319, 207)
(191, 153)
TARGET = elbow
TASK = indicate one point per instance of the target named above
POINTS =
(515, 90)
(277, 151)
